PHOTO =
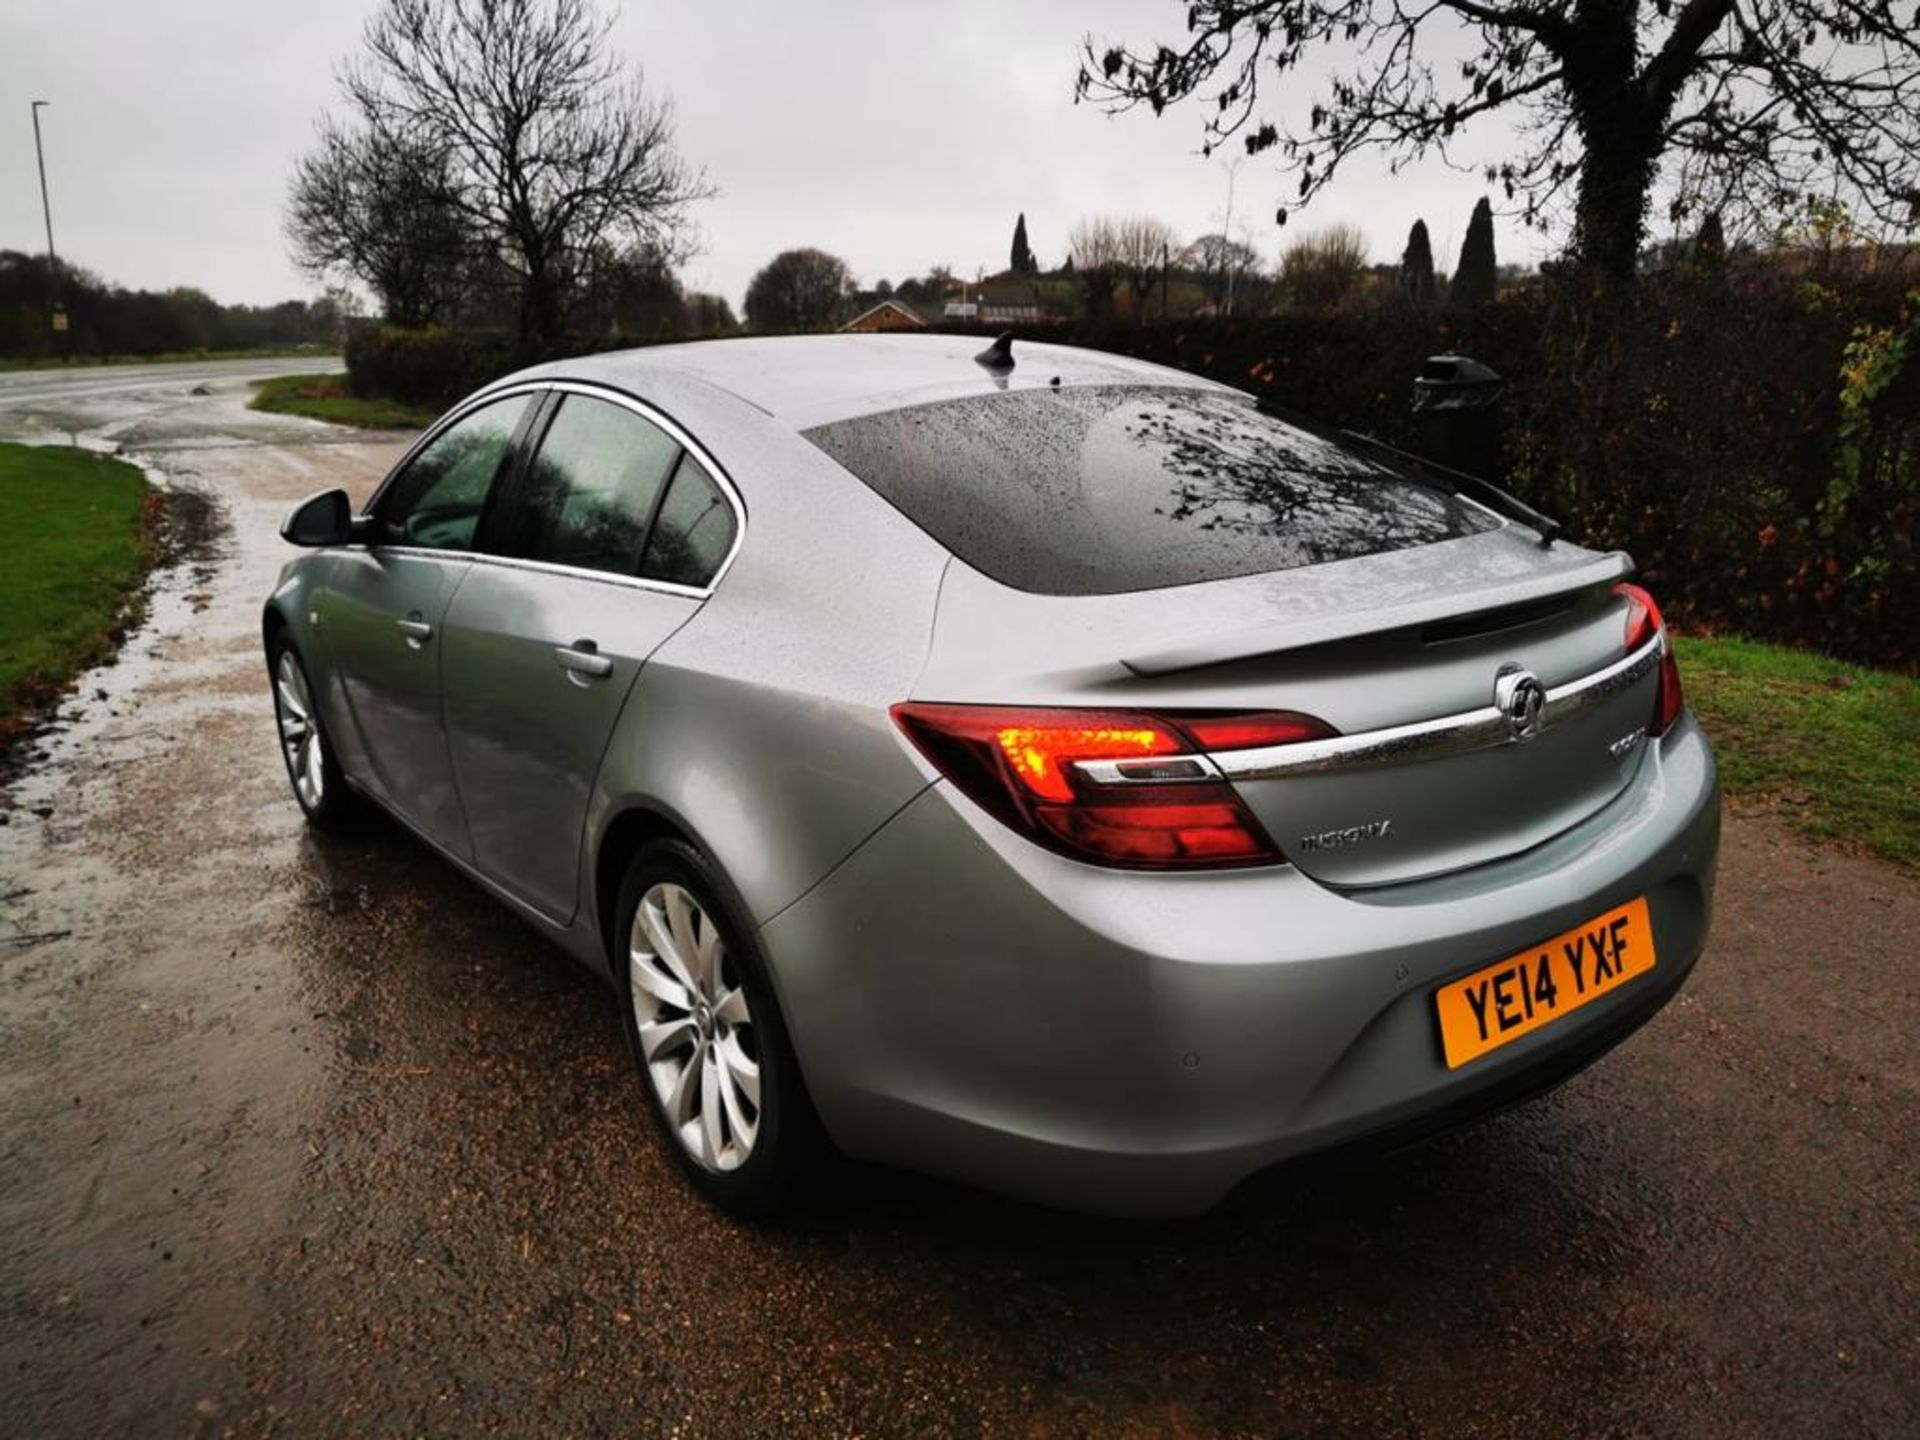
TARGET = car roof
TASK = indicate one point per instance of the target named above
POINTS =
(809, 380)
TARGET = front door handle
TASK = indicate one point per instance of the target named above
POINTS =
(417, 631)
(583, 658)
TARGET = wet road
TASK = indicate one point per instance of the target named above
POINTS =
(307, 1136)
(126, 406)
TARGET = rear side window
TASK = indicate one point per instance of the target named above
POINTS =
(593, 487)
(436, 501)
(1103, 489)
(695, 529)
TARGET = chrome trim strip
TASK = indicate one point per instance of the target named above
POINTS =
(639, 407)
(1577, 695)
(1456, 734)
(1119, 772)
(445, 422)
(699, 452)
(547, 567)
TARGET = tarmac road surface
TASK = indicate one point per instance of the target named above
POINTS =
(307, 1136)
(134, 406)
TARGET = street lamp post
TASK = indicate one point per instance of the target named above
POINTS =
(46, 213)
(1226, 228)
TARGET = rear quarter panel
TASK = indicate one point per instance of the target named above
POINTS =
(762, 726)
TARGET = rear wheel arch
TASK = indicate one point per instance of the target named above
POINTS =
(620, 840)
(787, 1139)
(640, 824)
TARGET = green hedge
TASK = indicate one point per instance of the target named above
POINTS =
(437, 366)
(425, 367)
(1753, 438)
(1721, 430)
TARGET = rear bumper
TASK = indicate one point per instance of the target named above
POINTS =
(966, 1004)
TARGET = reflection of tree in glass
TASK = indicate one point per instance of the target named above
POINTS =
(572, 521)
(438, 500)
(693, 533)
(1234, 469)
(1089, 490)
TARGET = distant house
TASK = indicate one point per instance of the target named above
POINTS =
(1002, 300)
(887, 315)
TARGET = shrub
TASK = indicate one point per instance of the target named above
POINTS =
(439, 366)
(1752, 439)
(1324, 269)
(426, 367)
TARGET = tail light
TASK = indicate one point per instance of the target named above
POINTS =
(1115, 787)
(1644, 624)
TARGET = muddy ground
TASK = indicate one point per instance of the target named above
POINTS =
(307, 1136)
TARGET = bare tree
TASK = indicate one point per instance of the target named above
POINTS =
(378, 209)
(1323, 269)
(1227, 265)
(709, 314)
(1146, 247)
(633, 292)
(1728, 103)
(798, 290)
(1109, 251)
(553, 150)
(1093, 247)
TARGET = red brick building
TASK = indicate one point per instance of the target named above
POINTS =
(887, 315)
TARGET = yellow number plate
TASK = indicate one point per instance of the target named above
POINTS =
(1536, 987)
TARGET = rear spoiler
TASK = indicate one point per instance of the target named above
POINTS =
(1337, 622)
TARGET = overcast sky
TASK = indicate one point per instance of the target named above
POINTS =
(899, 135)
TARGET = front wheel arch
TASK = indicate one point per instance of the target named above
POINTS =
(272, 622)
(336, 807)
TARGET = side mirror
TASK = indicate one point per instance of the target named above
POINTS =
(323, 519)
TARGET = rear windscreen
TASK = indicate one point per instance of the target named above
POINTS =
(1097, 490)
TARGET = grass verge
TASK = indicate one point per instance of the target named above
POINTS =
(326, 397)
(73, 549)
(1834, 746)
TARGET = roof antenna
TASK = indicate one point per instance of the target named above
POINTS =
(997, 357)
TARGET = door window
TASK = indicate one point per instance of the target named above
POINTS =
(695, 530)
(437, 500)
(593, 487)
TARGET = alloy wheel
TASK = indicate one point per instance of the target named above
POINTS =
(696, 1030)
(299, 730)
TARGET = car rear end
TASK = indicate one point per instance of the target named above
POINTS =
(1281, 798)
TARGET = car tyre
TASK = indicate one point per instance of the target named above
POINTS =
(709, 1045)
(312, 768)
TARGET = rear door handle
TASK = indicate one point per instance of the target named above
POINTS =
(417, 631)
(583, 657)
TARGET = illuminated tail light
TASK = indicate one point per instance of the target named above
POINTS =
(1115, 787)
(1644, 624)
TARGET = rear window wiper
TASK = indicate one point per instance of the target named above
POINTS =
(1481, 492)
(1484, 492)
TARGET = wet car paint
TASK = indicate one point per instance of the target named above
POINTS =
(309, 1136)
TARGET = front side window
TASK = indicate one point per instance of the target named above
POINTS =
(593, 487)
(437, 500)
(695, 530)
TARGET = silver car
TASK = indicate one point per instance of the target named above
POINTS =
(1037, 767)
